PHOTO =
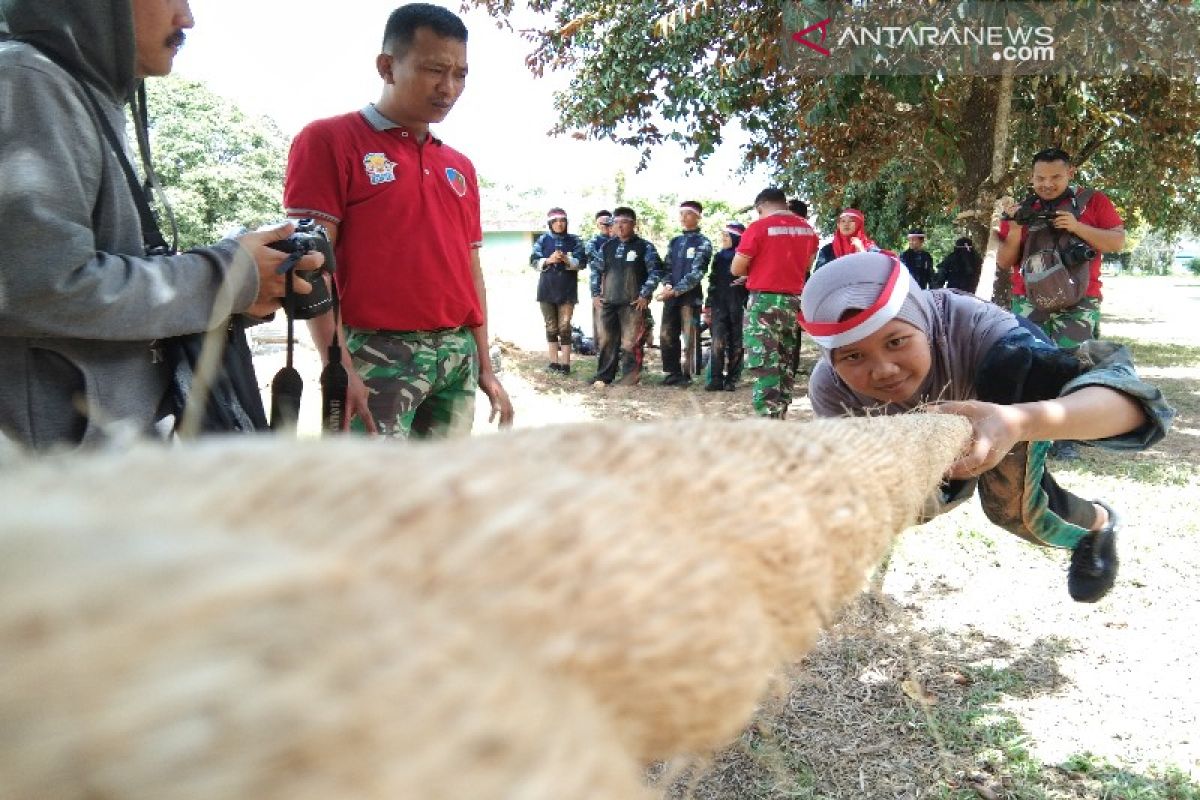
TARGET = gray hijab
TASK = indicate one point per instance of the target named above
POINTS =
(961, 329)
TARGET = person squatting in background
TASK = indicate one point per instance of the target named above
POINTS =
(960, 269)
(688, 255)
(775, 254)
(625, 271)
(917, 259)
(887, 346)
(724, 312)
(849, 236)
(558, 256)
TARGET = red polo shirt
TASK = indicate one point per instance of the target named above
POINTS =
(1099, 213)
(780, 247)
(407, 217)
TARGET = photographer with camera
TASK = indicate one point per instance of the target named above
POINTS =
(87, 284)
(1060, 234)
(402, 210)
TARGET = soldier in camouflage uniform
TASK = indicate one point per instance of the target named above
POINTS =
(775, 253)
(402, 209)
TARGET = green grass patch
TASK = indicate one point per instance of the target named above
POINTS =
(1127, 466)
(1159, 354)
(1105, 780)
(977, 731)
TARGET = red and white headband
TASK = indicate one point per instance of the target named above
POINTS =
(555, 215)
(691, 209)
(831, 335)
(731, 230)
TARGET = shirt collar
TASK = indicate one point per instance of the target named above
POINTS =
(381, 123)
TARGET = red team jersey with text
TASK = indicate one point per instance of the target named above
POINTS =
(781, 247)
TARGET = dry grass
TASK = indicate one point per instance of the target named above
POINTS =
(1027, 695)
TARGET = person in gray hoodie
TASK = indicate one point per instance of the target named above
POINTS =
(81, 304)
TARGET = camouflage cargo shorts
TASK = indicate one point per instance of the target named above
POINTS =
(419, 383)
(1068, 328)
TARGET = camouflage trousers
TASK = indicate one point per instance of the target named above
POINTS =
(772, 344)
(1068, 328)
(1021, 496)
(419, 383)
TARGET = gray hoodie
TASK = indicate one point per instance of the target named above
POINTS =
(80, 303)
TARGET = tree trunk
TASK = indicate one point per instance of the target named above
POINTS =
(1001, 279)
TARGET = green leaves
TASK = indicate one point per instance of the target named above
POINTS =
(650, 70)
(220, 167)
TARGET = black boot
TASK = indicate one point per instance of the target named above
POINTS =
(1094, 561)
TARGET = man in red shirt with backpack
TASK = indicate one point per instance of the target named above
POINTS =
(1059, 224)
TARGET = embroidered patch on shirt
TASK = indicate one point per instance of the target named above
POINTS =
(457, 181)
(379, 169)
(631, 255)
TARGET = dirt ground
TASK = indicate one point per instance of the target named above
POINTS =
(873, 712)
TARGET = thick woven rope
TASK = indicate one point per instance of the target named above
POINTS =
(527, 615)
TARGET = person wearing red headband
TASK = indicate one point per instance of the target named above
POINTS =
(849, 236)
(888, 346)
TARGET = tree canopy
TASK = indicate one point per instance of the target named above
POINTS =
(917, 148)
(220, 167)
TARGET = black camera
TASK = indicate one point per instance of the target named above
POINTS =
(308, 237)
(1076, 252)
(1032, 208)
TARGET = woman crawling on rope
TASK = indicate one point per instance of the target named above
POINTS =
(888, 346)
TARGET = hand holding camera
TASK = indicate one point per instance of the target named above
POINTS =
(272, 284)
(1034, 208)
(307, 241)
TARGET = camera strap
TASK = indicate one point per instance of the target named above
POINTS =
(335, 383)
(287, 386)
(152, 236)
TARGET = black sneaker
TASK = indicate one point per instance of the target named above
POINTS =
(552, 366)
(730, 385)
(714, 386)
(1094, 561)
(673, 379)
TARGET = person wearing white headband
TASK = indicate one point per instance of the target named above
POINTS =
(558, 256)
(888, 346)
(627, 271)
(688, 256)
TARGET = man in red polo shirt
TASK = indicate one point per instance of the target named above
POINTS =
(775, 253)
(403, 211)
(1078, 215)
